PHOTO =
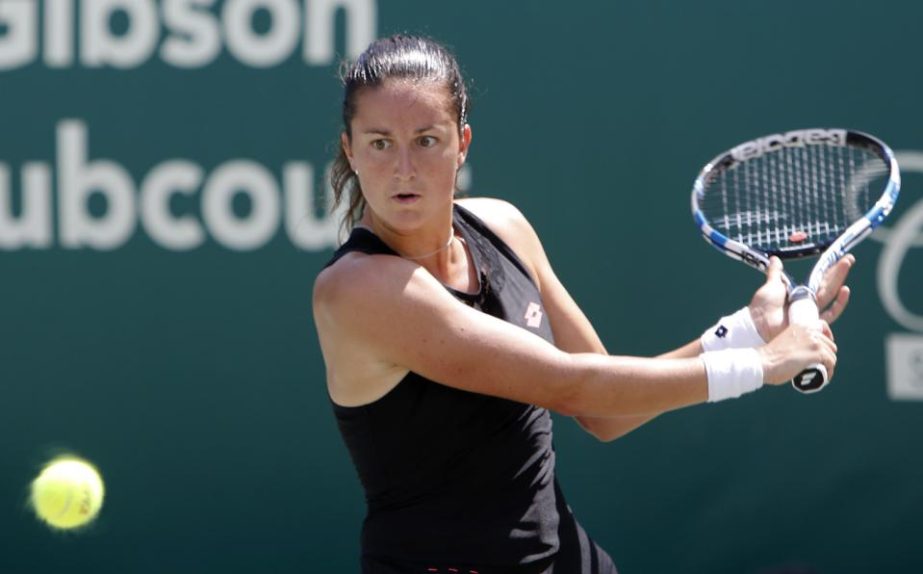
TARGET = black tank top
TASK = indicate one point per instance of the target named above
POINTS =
(452, 476)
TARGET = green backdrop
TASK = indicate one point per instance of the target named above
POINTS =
(162, 220)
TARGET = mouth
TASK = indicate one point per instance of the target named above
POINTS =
(405, 197)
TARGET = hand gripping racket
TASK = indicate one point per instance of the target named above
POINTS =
(797, 194)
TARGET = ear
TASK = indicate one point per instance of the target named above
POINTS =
(347, 148)
(463, 145)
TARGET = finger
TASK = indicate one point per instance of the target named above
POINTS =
(830, 344)
(822, 347)
(825, 329)
(834, 279)
(833, 312)
(830, 363)
(836, 275)
(774, 271)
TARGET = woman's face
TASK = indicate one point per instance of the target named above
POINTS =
(406, 149)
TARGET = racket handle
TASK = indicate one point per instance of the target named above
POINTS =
(803, 311)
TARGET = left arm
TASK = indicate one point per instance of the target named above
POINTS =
(574, 333)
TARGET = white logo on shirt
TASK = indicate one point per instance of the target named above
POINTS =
(533, 315)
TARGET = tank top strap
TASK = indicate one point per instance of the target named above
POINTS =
(465, 218)
(364, 241)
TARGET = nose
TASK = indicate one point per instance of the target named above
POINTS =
(404, 169)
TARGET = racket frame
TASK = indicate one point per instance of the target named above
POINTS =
(830, 253)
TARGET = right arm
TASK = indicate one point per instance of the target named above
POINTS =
(400, 316)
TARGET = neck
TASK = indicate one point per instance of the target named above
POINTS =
(435, 251)
(413, 246)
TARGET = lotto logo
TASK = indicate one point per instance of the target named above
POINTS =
(533, 315)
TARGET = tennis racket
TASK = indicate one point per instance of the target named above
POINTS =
(797, 194)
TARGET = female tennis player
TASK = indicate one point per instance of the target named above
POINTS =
(448, 339)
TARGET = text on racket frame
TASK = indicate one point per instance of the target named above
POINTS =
(795, 138)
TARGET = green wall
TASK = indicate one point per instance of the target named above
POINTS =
(155, 303)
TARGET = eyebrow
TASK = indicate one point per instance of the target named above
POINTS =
(384, 132)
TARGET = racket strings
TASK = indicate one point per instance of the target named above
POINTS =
(794, 196)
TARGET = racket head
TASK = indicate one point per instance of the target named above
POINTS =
(796, 194)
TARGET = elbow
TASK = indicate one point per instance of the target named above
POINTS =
(606, 437)
(599, 431)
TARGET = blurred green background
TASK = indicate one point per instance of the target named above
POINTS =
(190, 372)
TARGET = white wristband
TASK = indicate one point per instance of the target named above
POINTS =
(735, 331)
(732, 372)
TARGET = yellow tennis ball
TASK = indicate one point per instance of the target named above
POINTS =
(68, 493)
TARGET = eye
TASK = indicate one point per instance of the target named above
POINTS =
(381, 144)
(427, 141)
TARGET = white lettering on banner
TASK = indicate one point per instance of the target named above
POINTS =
(261, 50)
(258, 184)
(58, 34)
(173, 232)
(190, 33)
(33, 227)
(299, 175)
(904, 356)
(197, 35)
(100, 47)
(80, 178)
(318, 49)
(890, 263)
(904, 351)
(18, 45)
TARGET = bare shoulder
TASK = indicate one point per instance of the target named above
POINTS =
(328, 283)
(359, 280)
(331, 287)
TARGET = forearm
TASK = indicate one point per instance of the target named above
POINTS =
(689, 350)
(611, 428)
(636, 387)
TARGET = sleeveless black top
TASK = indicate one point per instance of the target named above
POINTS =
(452, 476)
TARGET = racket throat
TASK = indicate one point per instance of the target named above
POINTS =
(800, 293)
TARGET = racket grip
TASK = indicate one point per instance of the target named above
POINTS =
(803, 311)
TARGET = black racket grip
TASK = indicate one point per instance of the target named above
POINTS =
(811, 380)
